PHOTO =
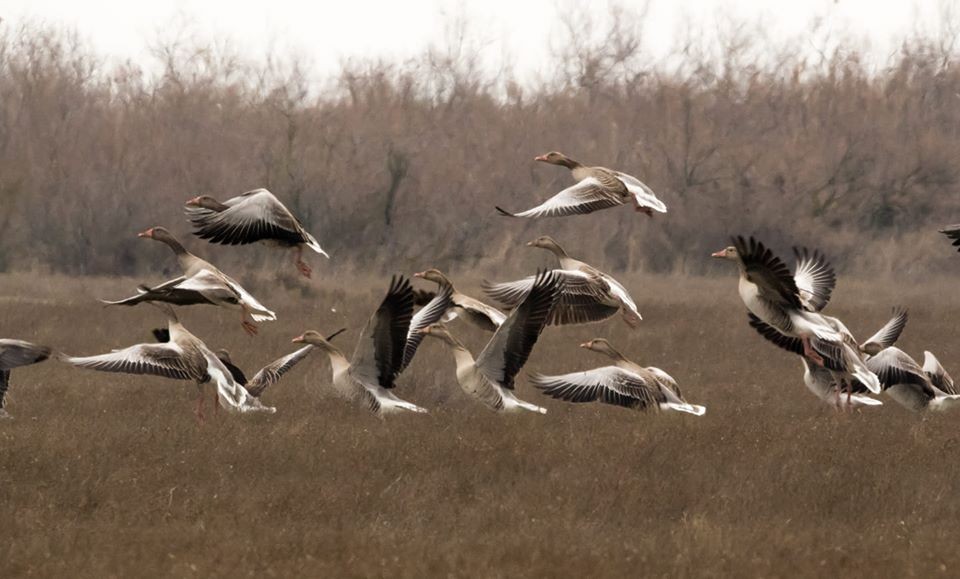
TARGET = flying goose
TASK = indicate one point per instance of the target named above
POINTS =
(911, 386)
(267, 376)
(386, 346)
(13, 354)
(771, 293)
(623, 384)
(201, 283)
(829, 381)
(184, 357)
(490, 377)
(473, 310)
(589, 295)
(596, 188)
(953, 233)
(251, 217)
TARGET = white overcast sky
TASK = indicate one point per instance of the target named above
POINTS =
(326, 32)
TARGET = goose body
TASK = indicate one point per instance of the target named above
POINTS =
(772, 293)
(596, 188)
(201, 283)
(386, 347)
(490, 377)
(914, 387)
(254, 216)
(13, 354)
(589, 294)
(624, 383)
(184, 357)
(474, 311)
(829, 381)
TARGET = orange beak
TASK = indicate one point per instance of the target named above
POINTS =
(298, 339)
(195, 202)
(542, 158)
(147, 233)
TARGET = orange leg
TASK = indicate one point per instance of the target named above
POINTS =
(810, 353)
(302, 266)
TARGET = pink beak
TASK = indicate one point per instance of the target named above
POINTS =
(418, 274)
(585, 345)
(298, 339)
(721, 253)
(194, 202)
(542, 158)
(147, 233)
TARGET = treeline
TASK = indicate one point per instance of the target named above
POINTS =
(399, 164)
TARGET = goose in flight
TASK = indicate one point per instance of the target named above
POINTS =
(827, 382)
(248, 218)
(773, 295)
(386, 347)
(490, 377)
(473, 310)
(914, 387)
(596, 188)
(625, 383)
(953, 233)
(13, 354)
(201, 283)
(589, 295)
(266, 376)
(184, 357)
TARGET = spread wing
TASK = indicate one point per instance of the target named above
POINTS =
(258, 311)
(814, 277)
(508, 349)
(378, 358)
(180, 292)
(609, 384)
(271, 373)
(768, 272)
(888, 334)
(938, 375)
(642, 195)
(480, 314)
(630, 312)
(254, 216)
(953, 232)
(428, 315)
(164, 360)
(584, 197)
(584, 298)
(14, 353)
(893, 366)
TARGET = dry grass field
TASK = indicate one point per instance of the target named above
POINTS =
(108, 475)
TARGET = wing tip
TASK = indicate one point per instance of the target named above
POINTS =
(503, 212)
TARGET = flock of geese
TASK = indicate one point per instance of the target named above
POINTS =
(784, 307)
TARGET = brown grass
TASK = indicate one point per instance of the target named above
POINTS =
(107, 475)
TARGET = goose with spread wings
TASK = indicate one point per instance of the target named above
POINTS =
(916, 388)
(828, 382)
(201, 283)
(184, 357)
(773, 295)
(589, 295)
(471, 309)
(596, 188)
(255, 216)
(386, 347)
(625, 384)
(13, 354)
(490, 377)
(266, 376)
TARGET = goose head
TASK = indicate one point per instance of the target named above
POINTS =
(434, 275)
(729, 252)
(206, 202)
(557, 158)
(548, 243)
(602, 346)
(224, 355)
(313, 338)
